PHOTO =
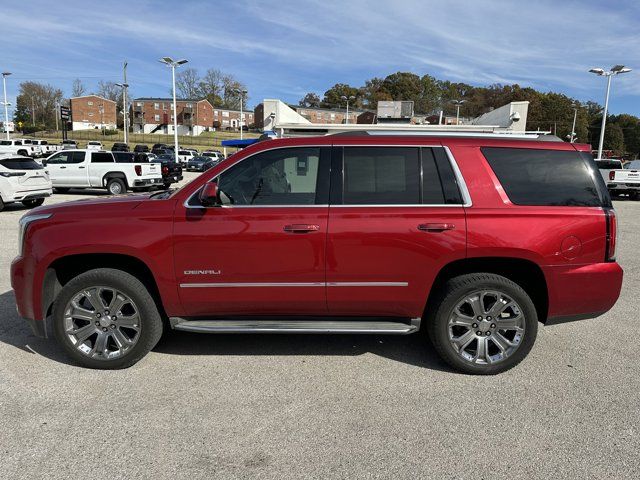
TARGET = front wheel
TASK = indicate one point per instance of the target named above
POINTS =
(484, 324)
(32, 203)
(106, 319)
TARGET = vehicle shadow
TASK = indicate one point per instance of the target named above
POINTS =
(410, 349)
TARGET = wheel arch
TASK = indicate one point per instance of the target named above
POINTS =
(524, 272)
(63, 269)
(109, 175)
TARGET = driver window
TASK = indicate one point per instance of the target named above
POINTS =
(285, 176)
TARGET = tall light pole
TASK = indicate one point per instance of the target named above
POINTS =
(242, 95)
(6, 104)
(572, 136)
(458, 104)
(124, 87)
(346, 99)
(615, 70)
(173, 64)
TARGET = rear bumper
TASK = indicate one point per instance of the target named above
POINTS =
(147, 182)
(31, 194)
(580, 292)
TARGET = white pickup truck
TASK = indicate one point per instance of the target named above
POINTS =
(99, 169)
(18, 146)
(621, 180)
(46, 147)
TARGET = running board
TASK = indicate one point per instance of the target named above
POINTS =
(296, 326)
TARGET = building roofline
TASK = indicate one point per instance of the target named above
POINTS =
(97, 96)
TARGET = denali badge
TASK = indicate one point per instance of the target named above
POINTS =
(202, 272)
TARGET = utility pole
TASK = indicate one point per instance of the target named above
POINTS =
(124, 104)
(6, 105)
(33, 112)
(56, 109)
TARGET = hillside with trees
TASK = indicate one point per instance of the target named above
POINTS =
(549, 111)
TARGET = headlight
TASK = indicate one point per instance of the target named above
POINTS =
(24, 224)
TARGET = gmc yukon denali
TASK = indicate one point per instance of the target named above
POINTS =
(475, 239)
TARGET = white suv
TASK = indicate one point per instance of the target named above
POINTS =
(94, 145)
(23, 180)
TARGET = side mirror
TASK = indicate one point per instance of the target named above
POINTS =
(209, 195)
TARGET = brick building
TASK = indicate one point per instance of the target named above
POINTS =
(194, 116)
(92, 111)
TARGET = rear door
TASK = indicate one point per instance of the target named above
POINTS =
(396, 217)
(100, 164)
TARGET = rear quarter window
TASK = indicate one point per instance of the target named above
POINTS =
(545, 177)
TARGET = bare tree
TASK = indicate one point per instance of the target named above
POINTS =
(187, 84)
(211, 86)
(78, 89)
(36, 103)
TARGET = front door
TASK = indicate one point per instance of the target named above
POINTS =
(63, 168)
(263, 252)
(397, 219)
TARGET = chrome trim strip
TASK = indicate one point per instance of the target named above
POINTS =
(367, 284)
(466, 197)
(236, 285)
(291, 284)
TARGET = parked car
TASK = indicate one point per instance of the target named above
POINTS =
(22, 180)
(201, 164)
(607, 168)
(160, 148)
(94, 145)
(184, 156)
(120, 147)
(215, 154)
(99, 169)
(20, 147)
(171, 170)
(475, 238)
(69, 145)
(124, 157)
(141, 148)
(46, 148)
(626, 180)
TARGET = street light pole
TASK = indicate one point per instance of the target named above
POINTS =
(124, 104)
(573, 127)
(6, 105)
(350, 97)
(173, 64)
(615, 70)
(242, 94)
(458, 104)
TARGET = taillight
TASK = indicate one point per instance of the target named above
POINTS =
(165, 170)
(139, 170)
(612, 231)
(612, 175)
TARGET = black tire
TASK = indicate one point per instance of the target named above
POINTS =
(34, 202)
(454, 291)
(61, 189)
(115, 186)
(23, 153)
(1, 205)
(150, 320)
(633, 195)
(167, 186)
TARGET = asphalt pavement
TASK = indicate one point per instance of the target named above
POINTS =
(321, 406)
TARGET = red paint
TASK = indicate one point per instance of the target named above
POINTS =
(319, 247)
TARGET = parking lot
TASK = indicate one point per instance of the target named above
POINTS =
(260, 406)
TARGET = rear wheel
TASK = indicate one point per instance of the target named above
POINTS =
(34, 202)
(633, 195)
(484, 324)
(116, 186)
(106, 319)
(1, 204)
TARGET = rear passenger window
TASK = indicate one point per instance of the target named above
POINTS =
(543, 177)
(101, 157)
(381, 176)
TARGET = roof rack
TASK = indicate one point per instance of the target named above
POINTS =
(536, 135)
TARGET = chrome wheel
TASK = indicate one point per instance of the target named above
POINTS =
(486, 327)
(102, 322)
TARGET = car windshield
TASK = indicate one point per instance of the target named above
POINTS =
(20, 164)
(200, 159)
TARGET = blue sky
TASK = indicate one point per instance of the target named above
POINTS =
(286, 48)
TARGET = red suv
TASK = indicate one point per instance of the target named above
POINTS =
(474, 238)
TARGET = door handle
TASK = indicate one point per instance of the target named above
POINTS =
(301, 228)
(63, 167)
(435, 227)
(82, 167)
